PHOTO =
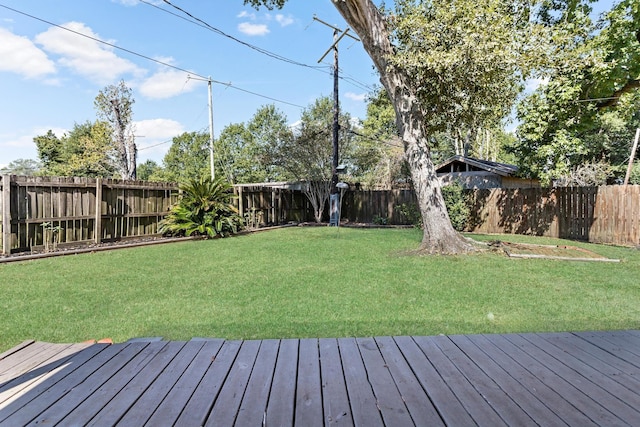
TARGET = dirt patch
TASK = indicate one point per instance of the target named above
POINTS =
(559, 252)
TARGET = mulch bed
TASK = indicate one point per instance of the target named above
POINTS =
(79, 248)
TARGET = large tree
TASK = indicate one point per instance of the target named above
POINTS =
(308, 156)
(249, 152)
(114, 105)
(437, 61)
(25, 167)
(187, 158)
(84, 151)
(586, 111)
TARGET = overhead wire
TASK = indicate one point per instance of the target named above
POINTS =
(203, 24)
(228, 84)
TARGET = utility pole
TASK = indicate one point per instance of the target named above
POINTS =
(633, 155)
(209, 82)
(213, 173)
(338, 34)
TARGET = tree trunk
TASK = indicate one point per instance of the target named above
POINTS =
(439, 236)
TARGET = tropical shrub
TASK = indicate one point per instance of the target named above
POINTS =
(204, 209)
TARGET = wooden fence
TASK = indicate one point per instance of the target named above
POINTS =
(607, 214)
(367, 206)
(39, 211)
(261, 206)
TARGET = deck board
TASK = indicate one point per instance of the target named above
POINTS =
(420, 407)
(581, 385)
(364, 408)
(227, 405)
(513, 403)
(281, 407)
(575, 379)
(183, 394)
(140, 406)
(564, 400)
(253, 408)
(334, 388)
(308, 404)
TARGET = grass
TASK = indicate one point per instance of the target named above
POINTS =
(312, 282)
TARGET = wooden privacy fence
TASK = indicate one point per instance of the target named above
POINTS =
(607, 214)
(38, 211)
(261, 206)
(42, 211)
(365, 206)
(272, 206)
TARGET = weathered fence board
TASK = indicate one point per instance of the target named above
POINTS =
(607, 214)
(40, 211)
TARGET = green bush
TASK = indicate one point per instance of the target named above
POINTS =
(457, 205)
(455, 200)
(411, 212)
(380, 220)
(204, 209)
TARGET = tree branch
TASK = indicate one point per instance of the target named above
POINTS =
(615, 97)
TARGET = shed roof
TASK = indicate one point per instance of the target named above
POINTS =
(469, 164)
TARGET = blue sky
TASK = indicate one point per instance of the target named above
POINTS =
(49, 76)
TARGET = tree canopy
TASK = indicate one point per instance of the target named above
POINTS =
(587, 107)
(85, 151)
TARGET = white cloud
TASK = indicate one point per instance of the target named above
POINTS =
(360, 97)
(155, 137)
(253, 29)
(15, 146)
(85, 56)
(284, 20)
(166, 84)
(158, 129)
(19, 55)
(245, 14)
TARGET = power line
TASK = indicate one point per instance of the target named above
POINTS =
(201, 23)
(155, 145)
(229, 84)
(206, 25)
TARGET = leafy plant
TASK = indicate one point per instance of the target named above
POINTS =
(411, 212)
(380, 220)
(204, 209)
(457, 205)
(51, 236)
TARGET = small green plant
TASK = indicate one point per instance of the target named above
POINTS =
(204, 209)
(411, 212)
(50, 236)
(380, 220)
(253, 218)
(457, 205)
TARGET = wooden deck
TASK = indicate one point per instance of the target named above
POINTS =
(576, 379)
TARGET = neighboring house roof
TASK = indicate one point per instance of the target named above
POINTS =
(457, 164)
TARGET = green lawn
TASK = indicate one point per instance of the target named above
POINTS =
(311, 282)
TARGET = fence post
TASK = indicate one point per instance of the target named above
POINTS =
(98, 223)
(6, 214)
